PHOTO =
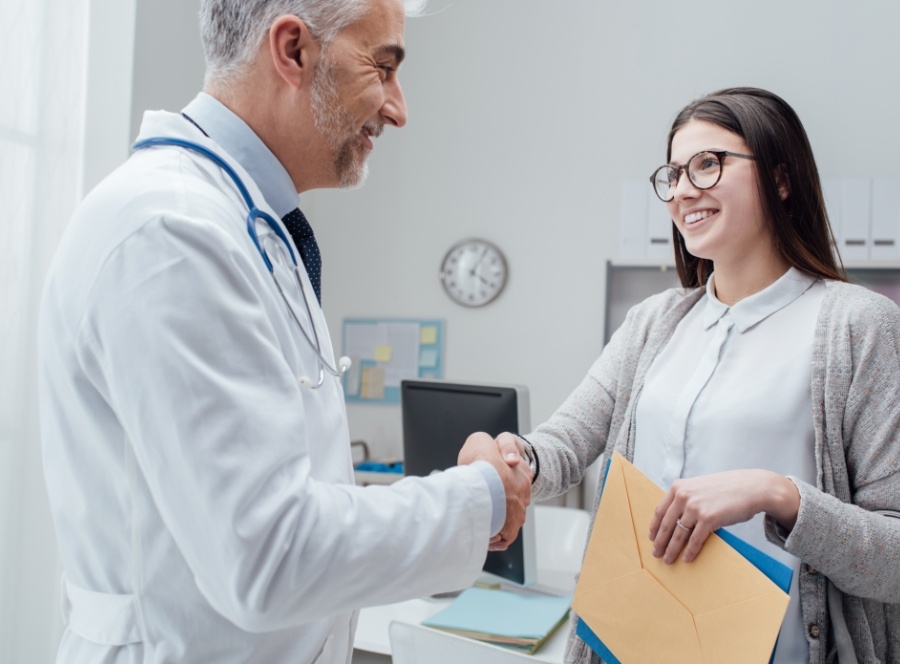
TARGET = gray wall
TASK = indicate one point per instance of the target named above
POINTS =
(168, 58)
(523, 122)
(524, 118)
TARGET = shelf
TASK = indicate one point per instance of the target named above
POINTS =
(893, 265)
(629, 282)
(666, 266)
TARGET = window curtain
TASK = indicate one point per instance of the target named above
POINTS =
(43, 59)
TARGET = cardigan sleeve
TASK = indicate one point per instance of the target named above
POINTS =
(856, 403)
(589, 420)
(575, 435)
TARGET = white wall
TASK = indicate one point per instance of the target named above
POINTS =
(78, 60)
(524, 118)
(168, 57)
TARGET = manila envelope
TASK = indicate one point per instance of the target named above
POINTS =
(718, 608)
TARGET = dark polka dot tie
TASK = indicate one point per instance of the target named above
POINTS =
(302, 233)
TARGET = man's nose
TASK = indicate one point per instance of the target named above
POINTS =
(394, 109)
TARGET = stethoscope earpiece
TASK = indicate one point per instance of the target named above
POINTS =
(345, 363)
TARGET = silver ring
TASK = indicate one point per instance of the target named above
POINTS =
(681, 525)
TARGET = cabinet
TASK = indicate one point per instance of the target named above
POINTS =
(864, 215)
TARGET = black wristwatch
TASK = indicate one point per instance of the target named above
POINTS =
(532, 458)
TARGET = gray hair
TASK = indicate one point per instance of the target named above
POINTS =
(232, 30)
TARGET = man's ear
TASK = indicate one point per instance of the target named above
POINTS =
(293, 49)
(783, 182)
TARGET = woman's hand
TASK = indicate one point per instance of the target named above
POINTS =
(695, 507)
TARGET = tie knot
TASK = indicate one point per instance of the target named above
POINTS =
(297, 224)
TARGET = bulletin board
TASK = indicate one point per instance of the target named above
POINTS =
(384, 351)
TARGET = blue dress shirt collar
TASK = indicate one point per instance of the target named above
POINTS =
(245, 147)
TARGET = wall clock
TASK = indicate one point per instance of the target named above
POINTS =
(473, 272)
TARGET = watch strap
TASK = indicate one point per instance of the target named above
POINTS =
(533, 461)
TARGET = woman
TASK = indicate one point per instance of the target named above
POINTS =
(764, 395)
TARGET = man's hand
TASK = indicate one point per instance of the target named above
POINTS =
(512, 449)
(516, 479)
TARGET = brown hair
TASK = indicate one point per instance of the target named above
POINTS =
(775, 136)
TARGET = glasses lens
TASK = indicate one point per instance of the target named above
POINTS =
(704, 170)
(663, 181)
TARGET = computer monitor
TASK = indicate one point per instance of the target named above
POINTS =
(438, 416)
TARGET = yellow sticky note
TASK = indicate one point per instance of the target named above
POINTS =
(372, 383)
(428, 335)
(383, 353)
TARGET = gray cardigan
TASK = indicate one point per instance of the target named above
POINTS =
(855, 382)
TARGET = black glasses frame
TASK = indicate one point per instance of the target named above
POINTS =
(719, 155)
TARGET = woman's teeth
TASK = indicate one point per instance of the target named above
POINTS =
(697, 216)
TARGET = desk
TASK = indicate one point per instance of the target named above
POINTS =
(372, 631)
(561, 535)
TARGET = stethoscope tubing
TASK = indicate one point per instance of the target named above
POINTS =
(255, 213)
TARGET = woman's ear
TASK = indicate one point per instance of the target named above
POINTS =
(783, 182)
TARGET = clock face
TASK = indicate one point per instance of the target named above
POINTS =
(473, 272)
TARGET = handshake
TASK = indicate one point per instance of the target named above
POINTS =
(506, 454)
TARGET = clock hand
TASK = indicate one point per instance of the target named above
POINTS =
(478, 262)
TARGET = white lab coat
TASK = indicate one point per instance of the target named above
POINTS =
(203, 501)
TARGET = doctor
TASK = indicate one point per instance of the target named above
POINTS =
(195, 438)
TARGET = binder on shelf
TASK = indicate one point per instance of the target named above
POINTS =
(659, 231)
(885, 219)
(856, 206)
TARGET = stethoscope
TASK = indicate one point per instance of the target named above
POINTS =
(255, 214)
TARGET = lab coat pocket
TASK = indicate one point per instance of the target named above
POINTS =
(326, 654)
(104, 618)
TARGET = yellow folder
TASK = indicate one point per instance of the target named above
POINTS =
(718, 608)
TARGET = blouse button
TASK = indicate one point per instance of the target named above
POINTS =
(812, 570)
(814, 631)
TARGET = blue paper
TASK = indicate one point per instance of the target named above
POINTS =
(776, 571)
(502, 613)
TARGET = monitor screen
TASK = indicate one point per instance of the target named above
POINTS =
(437, 417)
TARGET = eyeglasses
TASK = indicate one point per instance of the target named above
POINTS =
(704, 169)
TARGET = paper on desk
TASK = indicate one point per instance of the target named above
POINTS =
(719, 608)
(521, 620)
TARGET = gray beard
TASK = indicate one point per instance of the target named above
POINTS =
(332, 121)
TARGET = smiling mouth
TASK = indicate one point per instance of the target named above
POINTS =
(699, 215)
(370, 131)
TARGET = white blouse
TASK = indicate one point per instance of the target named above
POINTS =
(731, 390)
